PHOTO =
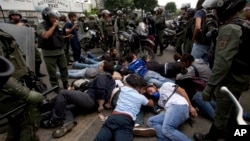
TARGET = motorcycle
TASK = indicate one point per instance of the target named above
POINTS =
(135, 40)
(169, 36)
(90, 39)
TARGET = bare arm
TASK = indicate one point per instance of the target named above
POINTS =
(150, 103)
(183, 93)
(197, 28)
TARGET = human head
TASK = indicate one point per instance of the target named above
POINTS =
(187, 59)
(225, 8)
(15, 16)
(72, 16)
(190, 12)
(105, 13)
(159, 11)
(119, 13)
(91, 17)
(63, 18)
(107, 67)
(136, 82)
(184, 8)
(151, 89)
(113, 52)
(130, 57)
(81, 17)
(50, 15)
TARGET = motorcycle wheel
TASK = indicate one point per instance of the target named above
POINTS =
(144, 51)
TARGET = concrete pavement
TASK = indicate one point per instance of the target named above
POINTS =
(89, 125)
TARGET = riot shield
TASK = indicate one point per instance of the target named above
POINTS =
(25, 37)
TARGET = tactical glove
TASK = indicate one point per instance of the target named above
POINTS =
(208, 93)
(34, 97)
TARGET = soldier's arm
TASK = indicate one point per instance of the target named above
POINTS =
(101, 27)
(227, 47)
(45, 34)
(160, 20)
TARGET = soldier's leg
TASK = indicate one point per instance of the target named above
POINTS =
(179, 43)
(51, 64)
(161, 36)
(66, 51)
(61, 63)
(38, 62)
(30, 123)
(188, 44)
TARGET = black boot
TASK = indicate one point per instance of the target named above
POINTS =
(37, 69)
(213, 135)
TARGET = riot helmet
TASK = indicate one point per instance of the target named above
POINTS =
(48, 12)
(119, 12)
(185, 6)
(14, 12)
(105, 12)
(225, 8)
(190, 12)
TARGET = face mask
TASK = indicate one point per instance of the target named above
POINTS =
(156, 95)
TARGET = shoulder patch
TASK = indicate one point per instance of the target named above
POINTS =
(222, 41)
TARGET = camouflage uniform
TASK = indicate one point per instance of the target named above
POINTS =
(231, 69)
(160, 26)
(181, 35)
(53, 56)
(106, 28)
(24, 123)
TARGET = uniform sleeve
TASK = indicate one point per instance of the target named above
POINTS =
(40, 29)
(227, 47)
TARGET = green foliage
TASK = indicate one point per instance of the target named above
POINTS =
(147, 5)
(93, 11)
(171, 7)
(113, 5)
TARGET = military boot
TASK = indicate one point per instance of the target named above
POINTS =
(213, 135)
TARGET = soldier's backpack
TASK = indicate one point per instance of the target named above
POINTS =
(209, 25)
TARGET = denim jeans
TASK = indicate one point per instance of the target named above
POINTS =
(76, 74)
(166, 123)
(117, 128)
(200, 51)
(156, 78)
(92, 56)
(207, 108)
(83, 65)
(76, 48)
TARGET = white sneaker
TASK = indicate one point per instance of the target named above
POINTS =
(144, 132)
(136, 125)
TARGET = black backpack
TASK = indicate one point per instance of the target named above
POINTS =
(209, 26)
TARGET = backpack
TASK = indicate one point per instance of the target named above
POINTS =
(209, 25)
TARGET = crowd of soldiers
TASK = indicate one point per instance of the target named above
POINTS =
(57, 33)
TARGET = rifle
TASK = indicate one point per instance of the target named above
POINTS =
(23, 105)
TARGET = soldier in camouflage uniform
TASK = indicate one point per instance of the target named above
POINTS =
(188, 31)
(107, 29)
(92, 23)
(181, 25)
(51, 37)
(120, 21)
(231, 67)
(160, 26)
(24, 123)
(15, 17)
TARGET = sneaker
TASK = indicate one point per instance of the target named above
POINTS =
(136, 125)
(144, 132)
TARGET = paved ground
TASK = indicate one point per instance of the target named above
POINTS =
(89, 125)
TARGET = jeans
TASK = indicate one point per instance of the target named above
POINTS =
(207, 108)
(166, 123)
(65, 98)
(116, 127)
(92, 56)
(200, 51)
(156, 78)
(76, 74)
(76, 48)
(82, 65)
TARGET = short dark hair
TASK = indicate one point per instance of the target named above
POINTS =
(108, 67)
(130, 57)
(71, 14)
(187, 57)
(135, 81)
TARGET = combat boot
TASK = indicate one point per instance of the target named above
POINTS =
(213, 135)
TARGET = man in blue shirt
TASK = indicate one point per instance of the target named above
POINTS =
(72, 28)
(139, 66)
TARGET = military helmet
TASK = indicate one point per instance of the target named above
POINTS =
(14, 12)
(119, 12)
(91, 17)
(159, 10)
(82, 16)
(190, 12)
(48, 11)
(105, 12)
(185, 6)
(225, 8)
(6, 70)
